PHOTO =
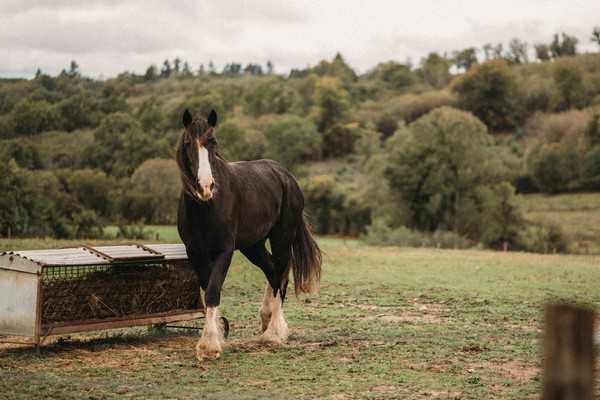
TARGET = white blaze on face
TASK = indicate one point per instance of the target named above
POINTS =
(205, 177)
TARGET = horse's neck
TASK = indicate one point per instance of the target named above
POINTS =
(220, 168)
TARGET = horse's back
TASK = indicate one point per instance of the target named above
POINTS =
(265, 190)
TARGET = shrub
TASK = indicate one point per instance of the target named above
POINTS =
(134, 232)
(543, 238)
(550, 168)
(333, 210)
(380, 233)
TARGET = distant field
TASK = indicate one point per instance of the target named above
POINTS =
(577, 214)
(166, 233)
(388, 323)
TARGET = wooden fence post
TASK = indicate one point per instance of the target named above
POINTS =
(568, 353)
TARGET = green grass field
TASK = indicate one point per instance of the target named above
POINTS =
(387, 323)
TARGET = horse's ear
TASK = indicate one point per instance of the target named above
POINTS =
(187, 118)
(212, 118)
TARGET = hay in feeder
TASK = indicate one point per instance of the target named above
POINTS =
(120, 291)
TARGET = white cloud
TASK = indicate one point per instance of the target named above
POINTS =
(110, 36)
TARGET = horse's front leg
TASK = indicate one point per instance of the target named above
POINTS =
(210, 344)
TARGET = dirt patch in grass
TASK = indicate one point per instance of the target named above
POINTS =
(425, 313)
(510, 369)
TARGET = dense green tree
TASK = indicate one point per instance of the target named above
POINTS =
(121, 145)
(437, 163)
(292, 139)
(489, 91)
(32, 117)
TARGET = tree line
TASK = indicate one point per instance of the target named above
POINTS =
(433, 153)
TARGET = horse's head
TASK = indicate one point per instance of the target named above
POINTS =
(195, 151)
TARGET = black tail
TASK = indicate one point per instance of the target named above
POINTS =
(305, 260)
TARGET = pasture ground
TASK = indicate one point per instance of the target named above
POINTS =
(388, 323)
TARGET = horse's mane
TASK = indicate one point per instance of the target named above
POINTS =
(187, 184)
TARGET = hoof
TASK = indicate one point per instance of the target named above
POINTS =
(276, 332)
(270, 338)
(206, 350)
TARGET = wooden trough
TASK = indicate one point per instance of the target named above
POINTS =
(59, 291)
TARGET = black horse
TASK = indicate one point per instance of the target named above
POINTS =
(228, 206)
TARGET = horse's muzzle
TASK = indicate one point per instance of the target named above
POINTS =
(206, 192)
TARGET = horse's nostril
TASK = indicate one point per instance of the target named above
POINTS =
(212, 186)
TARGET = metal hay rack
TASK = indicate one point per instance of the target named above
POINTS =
(59, 291)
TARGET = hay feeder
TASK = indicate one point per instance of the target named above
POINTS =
(60, 291)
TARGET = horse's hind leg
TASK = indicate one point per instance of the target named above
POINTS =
(259, 256)
(273, 323)
(281, 240)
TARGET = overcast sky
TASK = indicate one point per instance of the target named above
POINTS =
(110, 36)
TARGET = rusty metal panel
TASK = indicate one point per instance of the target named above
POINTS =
(18, 301)
(70, 256)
